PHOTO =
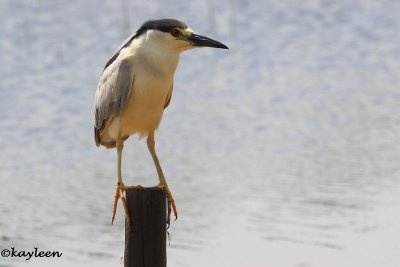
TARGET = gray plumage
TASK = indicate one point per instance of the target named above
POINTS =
(112, 92)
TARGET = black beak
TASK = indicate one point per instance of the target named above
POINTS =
(202, 41)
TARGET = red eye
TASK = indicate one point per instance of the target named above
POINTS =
(175, 32)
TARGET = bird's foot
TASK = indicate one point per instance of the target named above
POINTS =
(119, 193)
(171, 204)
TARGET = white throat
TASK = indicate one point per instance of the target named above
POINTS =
(152, 51)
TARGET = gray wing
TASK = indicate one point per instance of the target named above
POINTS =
(112, 92)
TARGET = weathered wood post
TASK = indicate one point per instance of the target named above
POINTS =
(145, 238)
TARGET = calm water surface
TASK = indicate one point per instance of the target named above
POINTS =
(282, 151)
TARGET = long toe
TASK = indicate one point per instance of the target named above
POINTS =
(128, 218)
(116, 197)
(119, 194)
(171, 207)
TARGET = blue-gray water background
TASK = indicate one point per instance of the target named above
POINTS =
(282, 151)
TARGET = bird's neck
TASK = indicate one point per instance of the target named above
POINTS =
(159, 59)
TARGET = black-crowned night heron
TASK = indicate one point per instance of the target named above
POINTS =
(135, 88)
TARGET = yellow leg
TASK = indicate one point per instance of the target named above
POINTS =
(163, 183)
(120, 189)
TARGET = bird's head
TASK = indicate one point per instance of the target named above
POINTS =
(175, 35)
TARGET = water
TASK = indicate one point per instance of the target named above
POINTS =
(282, 151)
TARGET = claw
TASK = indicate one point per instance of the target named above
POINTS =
(119, 193)
(171, 207)
(116, 197)
(128, 218)
(171, 204)
(174, 209)
(168, 216)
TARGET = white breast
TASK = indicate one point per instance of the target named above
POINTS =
(145, 106)
(153, 77)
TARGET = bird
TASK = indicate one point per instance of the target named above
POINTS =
(134, 89)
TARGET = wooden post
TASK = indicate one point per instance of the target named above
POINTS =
(145, 238)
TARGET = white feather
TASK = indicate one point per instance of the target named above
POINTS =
(154, 56)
